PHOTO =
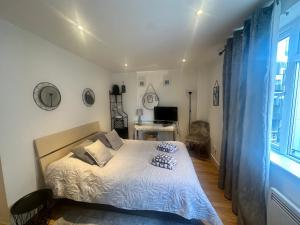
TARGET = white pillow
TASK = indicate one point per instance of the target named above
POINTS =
(114, 139)
(99, 152)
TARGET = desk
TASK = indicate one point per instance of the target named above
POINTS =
(154, 127)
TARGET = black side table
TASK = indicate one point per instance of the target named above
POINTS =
(34, 208)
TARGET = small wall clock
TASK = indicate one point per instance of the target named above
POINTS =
(88, 97)
(46, 96)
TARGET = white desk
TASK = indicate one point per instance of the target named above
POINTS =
(154, 127)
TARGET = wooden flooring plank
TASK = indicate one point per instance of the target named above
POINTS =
(208, 177)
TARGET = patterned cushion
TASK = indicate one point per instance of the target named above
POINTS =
(114, 139)
(167, 147)
(99, 153)
(164, 161)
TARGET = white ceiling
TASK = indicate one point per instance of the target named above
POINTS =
(145, 34)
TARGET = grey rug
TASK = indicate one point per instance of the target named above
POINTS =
(97, 217)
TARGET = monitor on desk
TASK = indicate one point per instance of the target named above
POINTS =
(163, 114)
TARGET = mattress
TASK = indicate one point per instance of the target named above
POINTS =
(129, 181)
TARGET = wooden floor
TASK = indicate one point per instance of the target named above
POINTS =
(208, 176)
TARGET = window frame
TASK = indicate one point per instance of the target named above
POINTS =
(296, 90)
(291, 30)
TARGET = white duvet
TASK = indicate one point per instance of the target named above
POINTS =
(129, 181)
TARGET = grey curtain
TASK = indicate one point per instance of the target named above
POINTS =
(234, 96)
(226, 100)
(242, 172)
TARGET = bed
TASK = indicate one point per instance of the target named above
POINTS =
(128, 180)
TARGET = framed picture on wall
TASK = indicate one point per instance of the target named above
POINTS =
(216, 94)
(141, 81)
(167, 80)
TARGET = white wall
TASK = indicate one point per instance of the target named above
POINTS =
(213, 72)
(4, 214)
(203, 94)
(285, 182)
(173, 95)
(26, 60)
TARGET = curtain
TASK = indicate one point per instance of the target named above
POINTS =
(234, 94)
(254, 155)
(226, 101)
(243, 165)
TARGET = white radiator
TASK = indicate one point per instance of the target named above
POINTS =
(281, 211)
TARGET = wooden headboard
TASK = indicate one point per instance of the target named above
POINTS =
(53, 147)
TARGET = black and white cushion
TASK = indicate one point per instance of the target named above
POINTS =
(167, 147)
(164, 161)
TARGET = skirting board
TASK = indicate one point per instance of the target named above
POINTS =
(216, 163)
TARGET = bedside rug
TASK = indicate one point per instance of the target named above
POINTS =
(96, 217)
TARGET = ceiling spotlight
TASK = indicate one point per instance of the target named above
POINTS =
(183, 60)
(199, 12)
(80, 27)
(126, 65)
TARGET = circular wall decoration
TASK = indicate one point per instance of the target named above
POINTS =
(46, 96)
(88, 97)
(150, 100)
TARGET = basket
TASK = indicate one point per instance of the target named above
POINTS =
(33, 209)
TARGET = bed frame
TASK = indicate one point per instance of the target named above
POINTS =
(53, 147)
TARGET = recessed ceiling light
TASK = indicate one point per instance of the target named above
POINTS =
(183, 60)
(199, 12)
(126, 65)
(80, 27)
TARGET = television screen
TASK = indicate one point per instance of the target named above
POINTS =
(165, 114)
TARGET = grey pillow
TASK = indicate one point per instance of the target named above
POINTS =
(99, 152)
(80, 153)
(114, 139)
(101, 137)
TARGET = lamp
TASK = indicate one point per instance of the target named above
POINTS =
(139, 113)
(190, 107)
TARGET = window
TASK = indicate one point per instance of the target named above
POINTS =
(286, 101)
(295, 148)
(281, 66)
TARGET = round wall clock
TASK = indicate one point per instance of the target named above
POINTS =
(88, 97)
(46, 96)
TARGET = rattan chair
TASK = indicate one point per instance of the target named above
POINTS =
(199, 138)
